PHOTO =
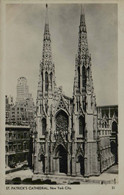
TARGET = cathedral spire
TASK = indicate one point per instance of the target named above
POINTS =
(83, 44)
(47, 54)
(46, 29)
(46, 18)
(47, 69)
(82, 61)
(82, 9)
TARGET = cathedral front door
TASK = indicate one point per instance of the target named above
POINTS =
(62, 157)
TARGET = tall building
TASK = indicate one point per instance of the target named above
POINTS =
(67, 139)
(22, 112)
(22, 89)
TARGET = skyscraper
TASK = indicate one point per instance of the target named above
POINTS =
(22, 112)
(22, 89)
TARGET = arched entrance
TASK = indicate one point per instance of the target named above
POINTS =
(62, 159)
(80, 165)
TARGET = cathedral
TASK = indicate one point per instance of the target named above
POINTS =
(66, 133)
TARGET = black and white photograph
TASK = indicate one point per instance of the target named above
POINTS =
(61, 94)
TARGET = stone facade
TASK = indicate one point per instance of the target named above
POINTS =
(108, 135)
(66, 135)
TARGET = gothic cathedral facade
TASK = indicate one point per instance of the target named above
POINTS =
(66, 131)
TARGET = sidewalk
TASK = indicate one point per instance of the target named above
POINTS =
(109, 176)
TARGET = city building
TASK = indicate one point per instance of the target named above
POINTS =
(17, 145)
(8, 104)
(66, 135)
(22, 89)
(108, 132)
(22, 112)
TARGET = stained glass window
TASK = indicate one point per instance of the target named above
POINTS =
(62, 121)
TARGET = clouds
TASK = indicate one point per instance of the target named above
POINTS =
(24, 35)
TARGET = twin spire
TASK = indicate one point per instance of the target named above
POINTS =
(82, 47)
(46, 17)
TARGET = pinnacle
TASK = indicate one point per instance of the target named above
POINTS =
(46, 18)
(82, 9)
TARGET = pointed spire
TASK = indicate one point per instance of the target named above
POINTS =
(47, 53)
(82, 16)
(83, 44)
(46, 18)
(82, 9)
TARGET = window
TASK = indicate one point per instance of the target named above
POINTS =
(43, 126)
(79, 77)
(42, 80)
(46, 81)
(51, 79)
(19, 136)
(62, 121)
(10, 147)
(14, 147)
(10, 135)
(24, 146)
(82, 126)
(114, 127)
(83, 76)
(6, 148)
(25, 135)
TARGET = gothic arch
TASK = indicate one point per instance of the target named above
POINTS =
(61, 154)
(59, 145)
(61, 109)
(61, 105)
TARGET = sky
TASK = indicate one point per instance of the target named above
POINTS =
(24, 44)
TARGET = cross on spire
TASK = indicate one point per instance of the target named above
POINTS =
(46, 18)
